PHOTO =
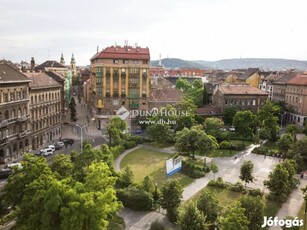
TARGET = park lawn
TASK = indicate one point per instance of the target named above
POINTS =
(145, 162)
(228, 197)
(270, 145)
(301, 215)
(161, 145)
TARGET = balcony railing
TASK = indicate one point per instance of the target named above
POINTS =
(4, 141)
(22, 118)
(4, 123)
(22, 134)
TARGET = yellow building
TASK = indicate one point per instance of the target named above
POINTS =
(119, 77)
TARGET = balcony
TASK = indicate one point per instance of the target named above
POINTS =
(22, 134)
(4, 141)
(22, 118)
(4, 123)
(133, 106)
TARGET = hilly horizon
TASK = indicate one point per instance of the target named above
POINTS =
(235, 63)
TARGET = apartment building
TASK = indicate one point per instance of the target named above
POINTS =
(45, 108)
(14, 114)
(245, 97)
(119, 77)
(296, 99)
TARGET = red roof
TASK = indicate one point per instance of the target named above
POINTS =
(300, 79)
(126, 52)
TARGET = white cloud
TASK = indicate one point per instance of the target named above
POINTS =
(195, 29)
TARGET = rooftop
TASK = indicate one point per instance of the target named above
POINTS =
(300, 79)
(9, 74)
(49, 64)
(125, 52)
(241, 89)
(42, 80)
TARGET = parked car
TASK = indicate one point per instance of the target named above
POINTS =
(46, 152)
(138, 131)
(57, 147)
(60, 143)
(51, 147)
(232, 129)
(14, 165)
(68, 141)
(5, 173)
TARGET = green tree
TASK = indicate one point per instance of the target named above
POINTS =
(278, 183)
(214, 168)
(206, 97)
(253, 210)
(298, 152)
(291, 167)
(116, 128)
(293, 130)
(126, 178)
(73, 112)
(234, 219)
(90, 155)
(33, 167)
(228, 114)
(160, 132)
(191, 218)
(62, 166)
(208, 204)
(285, 143)
(245, 123)
(148, 184)
(246, 172)
(268, 119)
(194, 139)
(212, 126)
(171, 194)
(193, 91)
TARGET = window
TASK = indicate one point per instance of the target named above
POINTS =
(145, 62)
(115, 102)
(135, 61)
(115, 61)
(125, 62)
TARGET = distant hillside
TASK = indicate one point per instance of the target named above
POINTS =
(243, 63)
(179, 63)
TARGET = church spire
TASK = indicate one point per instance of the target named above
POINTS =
(62, 61)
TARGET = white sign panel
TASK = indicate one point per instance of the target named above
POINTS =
(173, 165)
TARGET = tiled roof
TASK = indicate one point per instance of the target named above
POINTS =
(208, 110)
(248, 73)
(126, 52)
(173, 80)
(42, 80)
(9, 74)
(56, 76)
(285, 78)
(157, 95)
(48, 64)
(241, 89)
(300, 79)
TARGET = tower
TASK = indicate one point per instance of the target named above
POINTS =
(32, 63)
(73, 65)
(62, 61)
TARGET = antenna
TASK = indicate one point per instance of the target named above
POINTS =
(136, 45)
(97, 49)
(126, 42)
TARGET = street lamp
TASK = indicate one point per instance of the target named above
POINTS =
(81, 128)
(282, 116)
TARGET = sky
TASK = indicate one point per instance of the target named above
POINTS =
(188, 29)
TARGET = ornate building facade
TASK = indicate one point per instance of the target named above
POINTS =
(45, 108)
(14, 114)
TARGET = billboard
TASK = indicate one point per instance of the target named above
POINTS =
(173, 165)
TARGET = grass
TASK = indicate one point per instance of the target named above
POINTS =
(161, 145)
(301, 215)
(145, 162)
(270, 145)
(228, 197)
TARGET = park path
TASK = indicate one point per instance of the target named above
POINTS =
(229, 170)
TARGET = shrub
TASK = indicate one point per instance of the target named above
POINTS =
(225, 145)
(280, 198)
(218, 183)
(192, 170)
(135, 198)
(255, 192)
(260, 150)
(117, 150)
(240, 146)
(156, 226)
(129, 144)
(136, 139)
(237, 187)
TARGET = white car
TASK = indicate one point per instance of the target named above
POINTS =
(46, 152)
(232, 129)
(51, 147)
(60, 143)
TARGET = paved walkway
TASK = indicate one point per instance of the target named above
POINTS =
(229, 170)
